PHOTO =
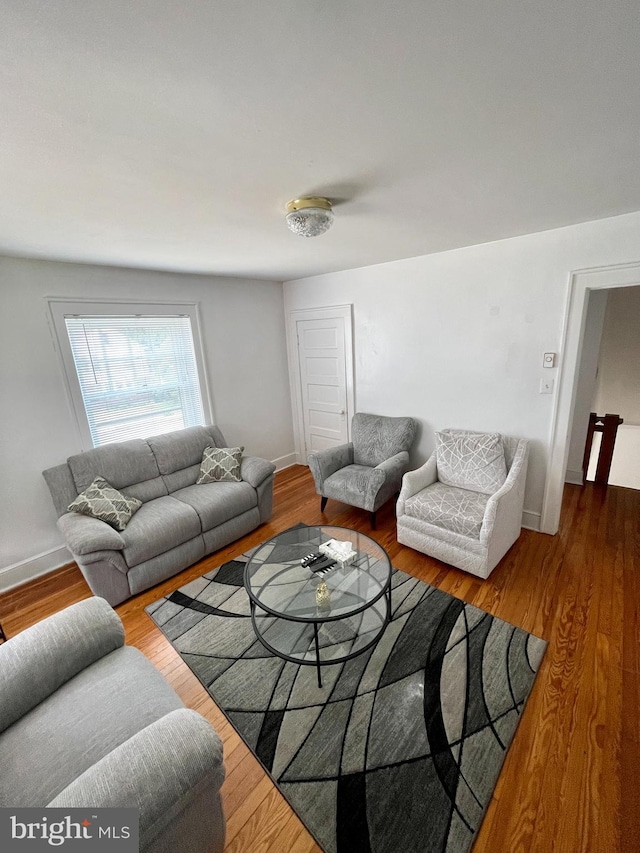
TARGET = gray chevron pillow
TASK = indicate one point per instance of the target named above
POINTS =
(101, 500)
(220, 465)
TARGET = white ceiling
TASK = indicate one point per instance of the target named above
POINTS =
(170, 133)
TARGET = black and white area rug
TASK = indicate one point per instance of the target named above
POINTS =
(400, 749)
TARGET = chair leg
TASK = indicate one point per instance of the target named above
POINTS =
(323, 503)
(372, 518)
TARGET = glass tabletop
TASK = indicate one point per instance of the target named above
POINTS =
(279, 584)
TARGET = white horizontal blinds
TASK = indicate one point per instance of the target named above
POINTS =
(138, 375)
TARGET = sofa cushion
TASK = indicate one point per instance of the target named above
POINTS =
(216, 503)
(174, 451)
(122, 464)
(473, 461)
(159, 526)
(220, 465)
(37, 766)
(458, 510)
(101, 500)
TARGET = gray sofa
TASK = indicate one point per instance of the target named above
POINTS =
(86, 721)
(179, 522)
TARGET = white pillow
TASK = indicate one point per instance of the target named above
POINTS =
(472, 461)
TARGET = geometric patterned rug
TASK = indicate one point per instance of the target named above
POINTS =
(401, 748)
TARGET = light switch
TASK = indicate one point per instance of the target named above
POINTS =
(546, 386)
(549, 359)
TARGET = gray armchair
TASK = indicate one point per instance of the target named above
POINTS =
(368, 470)
(86, 721)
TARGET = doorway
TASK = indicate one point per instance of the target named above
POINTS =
(582, 285)
(320, 350)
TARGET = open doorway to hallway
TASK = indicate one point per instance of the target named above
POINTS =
(609, 383)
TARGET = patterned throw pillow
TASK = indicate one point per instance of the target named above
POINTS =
(101, 500)
(473, 461)
(220, 465)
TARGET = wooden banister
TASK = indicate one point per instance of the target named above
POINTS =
(608, 426)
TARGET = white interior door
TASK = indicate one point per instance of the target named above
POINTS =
(322, 361)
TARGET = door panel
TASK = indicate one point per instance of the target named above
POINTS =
(324, 394)
(322, 362)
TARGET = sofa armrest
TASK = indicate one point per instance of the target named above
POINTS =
(158, 771)
(39, 660)
(324, 463)
(61, 484)
(85, 534)
(415, 481)
(255, 470)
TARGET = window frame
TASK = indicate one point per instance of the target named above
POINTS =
(59, 308)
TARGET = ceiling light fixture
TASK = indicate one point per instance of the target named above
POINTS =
(309, 217)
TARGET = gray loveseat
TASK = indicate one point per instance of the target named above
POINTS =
(86, 721)
(179, 522)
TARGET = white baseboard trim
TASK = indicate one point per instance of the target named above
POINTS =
(574, 477)
(531, 520)
(283, 462)
(33, 567)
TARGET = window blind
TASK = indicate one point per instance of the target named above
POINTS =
(138, 375)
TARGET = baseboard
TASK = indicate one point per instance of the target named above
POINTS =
(283, 462)
(531, 520)
(574, 477)
(33, 567)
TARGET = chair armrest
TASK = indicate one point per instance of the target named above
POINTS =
(39, 660)
(394, 466)
(385, 479)
(504, 507)
(324, 463)
(158, 771)
(254, 470)
(85, 534)
(415, 481)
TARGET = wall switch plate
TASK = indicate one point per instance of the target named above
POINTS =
(549, 359)
(546, 386)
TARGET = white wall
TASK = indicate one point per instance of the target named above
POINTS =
(244, 342)
(456, 339)
(587, 377)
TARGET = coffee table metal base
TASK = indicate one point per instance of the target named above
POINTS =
(318, 662)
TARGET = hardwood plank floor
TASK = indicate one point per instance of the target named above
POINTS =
(570, 779)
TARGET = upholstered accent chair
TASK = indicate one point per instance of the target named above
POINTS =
(368, 470)
(464, 505)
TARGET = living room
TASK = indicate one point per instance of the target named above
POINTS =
(451, 317)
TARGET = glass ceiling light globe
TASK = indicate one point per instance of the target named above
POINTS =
(309, 217)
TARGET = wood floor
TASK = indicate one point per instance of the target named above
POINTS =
(570, 780)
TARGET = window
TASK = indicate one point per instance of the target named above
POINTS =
(130, 375)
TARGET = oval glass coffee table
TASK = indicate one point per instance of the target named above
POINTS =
(312, 619)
